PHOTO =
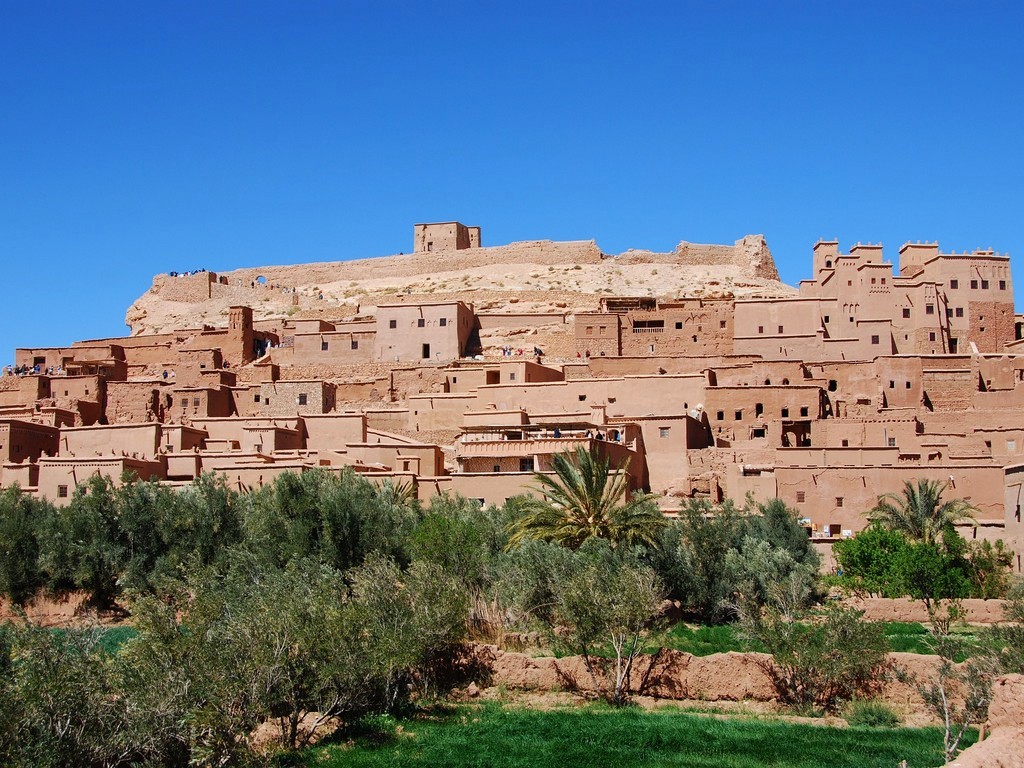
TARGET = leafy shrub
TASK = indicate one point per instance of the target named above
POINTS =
(823, 663)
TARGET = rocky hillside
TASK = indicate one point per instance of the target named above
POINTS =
(529, 277)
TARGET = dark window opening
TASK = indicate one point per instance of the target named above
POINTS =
(420, 322)
(303, 398)
(323, 346)
(443, 322)
(392, 323)
(801, 497)
(426, 352)
(355, 344)
(62, 492)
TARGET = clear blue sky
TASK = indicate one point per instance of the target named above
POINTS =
(137, 138)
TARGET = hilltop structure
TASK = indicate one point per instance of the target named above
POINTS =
(731, 386)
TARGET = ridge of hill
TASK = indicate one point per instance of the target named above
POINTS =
(534, 276)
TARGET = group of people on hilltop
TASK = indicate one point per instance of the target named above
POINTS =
(26, 370)
(186, 274)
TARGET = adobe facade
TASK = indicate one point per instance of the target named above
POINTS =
(869, 376)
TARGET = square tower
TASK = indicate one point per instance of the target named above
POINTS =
(444, 236)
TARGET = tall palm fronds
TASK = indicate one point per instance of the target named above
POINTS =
(583, 500)
(919, 511)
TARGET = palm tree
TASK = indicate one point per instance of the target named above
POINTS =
(919, 511)
(582, 501)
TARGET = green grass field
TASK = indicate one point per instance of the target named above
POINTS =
(490, 735)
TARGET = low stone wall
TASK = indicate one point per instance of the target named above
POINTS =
(672, 674)
(49, 612)
(905, 609)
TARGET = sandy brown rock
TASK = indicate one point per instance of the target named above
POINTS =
(1004, 748)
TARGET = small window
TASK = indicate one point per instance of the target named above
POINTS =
(845, 443)
(760, 329)
(892, 384)
(839, 501)
(324, 346)
(738, 416)
(1011, 446)
(959, 311)
(949, 311)
(892, 442)
(511, 375)
(758, 409)
(526, 465)
(804, 410)
(849, 283)
(601, 329)
(421, 323)
(954, 284)
(780, 329)
(826, 319)
(303, 397)
(872, 281)
(906, 313)
(721, 323)
(720, 415)
(679, 326)
(931, 336)
(256, 397)
(874, 340)
(984, 285)
(974, 284)
(392, 323)
(443, 322)
(195, 402)
(801, 497)
(833, 385)
(883, 281)
(497, 467)
(663, 431)
(1002, 285)
(582, 398)
(590, 330)
(785, 413)
(929, 309)
(355, 344)
(62, 491)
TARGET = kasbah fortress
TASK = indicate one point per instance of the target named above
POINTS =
(463, 369)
